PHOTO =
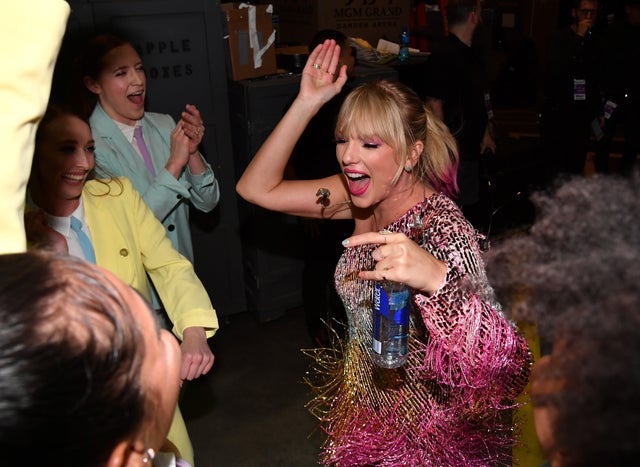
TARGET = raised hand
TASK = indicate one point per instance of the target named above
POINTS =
(318, 76)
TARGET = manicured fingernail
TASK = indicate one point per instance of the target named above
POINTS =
(345, 242)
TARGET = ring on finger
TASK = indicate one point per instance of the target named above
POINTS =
(385, 232)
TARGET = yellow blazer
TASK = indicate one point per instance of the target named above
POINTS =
(130, 242)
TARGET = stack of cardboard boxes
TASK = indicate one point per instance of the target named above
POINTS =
(367, 19)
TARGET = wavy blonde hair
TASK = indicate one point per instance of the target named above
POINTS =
(394, 113)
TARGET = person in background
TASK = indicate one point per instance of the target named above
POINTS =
(456, 88)
(621, 88)
(575, 275)
(87, 374)
(466, 362)
(25, 82)
(313, 158)
(140, 145)
(116, 230)
(571, 108)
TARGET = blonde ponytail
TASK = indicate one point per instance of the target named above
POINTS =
(439, 160)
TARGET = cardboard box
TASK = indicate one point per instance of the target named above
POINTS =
(368, 19)
(251, 40)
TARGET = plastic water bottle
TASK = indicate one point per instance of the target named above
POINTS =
(403, 55)
(391, 308)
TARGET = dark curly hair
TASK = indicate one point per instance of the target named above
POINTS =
(577, 275)
(70, 362)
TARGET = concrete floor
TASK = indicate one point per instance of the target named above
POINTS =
(250, 410)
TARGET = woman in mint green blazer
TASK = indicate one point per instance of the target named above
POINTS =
(113, 75)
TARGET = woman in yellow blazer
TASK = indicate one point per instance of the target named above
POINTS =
(127, 238)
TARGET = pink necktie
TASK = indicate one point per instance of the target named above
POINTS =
(137, 134)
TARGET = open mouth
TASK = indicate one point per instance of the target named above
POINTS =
(75, 179)
(358, 182)
(137, 97)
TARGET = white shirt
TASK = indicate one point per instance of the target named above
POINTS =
(62, 225)
(127, 131)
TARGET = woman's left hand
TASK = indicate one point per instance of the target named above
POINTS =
(400, 259)
(197, 358)
(193, 127)
(319, 81)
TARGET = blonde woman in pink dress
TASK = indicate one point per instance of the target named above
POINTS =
(466, 362)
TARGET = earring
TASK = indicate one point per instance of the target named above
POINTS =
(147, 457)
(408, 168)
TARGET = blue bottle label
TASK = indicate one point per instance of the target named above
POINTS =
(391, 320)
(393, 305)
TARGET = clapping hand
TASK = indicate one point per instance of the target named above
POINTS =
(180, 147)
(193, 127)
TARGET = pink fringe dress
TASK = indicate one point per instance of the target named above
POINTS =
(449, 405)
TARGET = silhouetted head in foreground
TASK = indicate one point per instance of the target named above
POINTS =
(576, 275)
(86, 375)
